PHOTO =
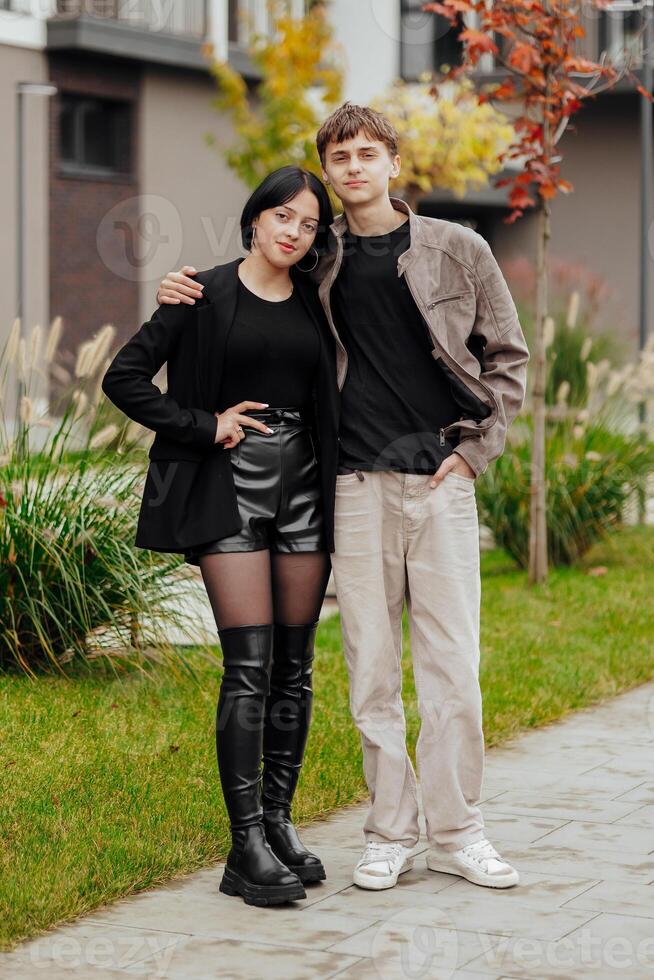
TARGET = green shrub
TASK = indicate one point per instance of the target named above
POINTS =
(72, 582)
(598, 456)
(590, 479)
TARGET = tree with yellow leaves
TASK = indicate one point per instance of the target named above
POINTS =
(450, 142)
(301, 82)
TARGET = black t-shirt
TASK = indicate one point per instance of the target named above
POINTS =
(271, 354)
(395, 399)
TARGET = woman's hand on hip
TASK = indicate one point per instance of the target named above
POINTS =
(229, 427)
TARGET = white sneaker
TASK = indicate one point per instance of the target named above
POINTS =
(479, 863)
(381, 865)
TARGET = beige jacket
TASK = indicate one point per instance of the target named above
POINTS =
(473, 324)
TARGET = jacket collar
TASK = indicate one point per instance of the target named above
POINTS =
(222, 286)
(308, 293)
(339, 227)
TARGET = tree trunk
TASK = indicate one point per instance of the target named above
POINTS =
(538, 500)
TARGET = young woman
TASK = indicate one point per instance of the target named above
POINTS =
(241, 481)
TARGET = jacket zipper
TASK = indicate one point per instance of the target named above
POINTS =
(443, 299)
(485, 423)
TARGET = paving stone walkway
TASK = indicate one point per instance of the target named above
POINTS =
(572, 805)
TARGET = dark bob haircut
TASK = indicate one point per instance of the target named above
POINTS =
(280, 187)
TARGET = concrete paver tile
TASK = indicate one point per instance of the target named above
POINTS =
(535, 890)
(202, 957)
(509, 826)
(579, 862)
(84, 944)
(563, 806)
(226, 917)
(379, 904)
(616, 896)
(367, 969)
(413, 936)
(604, 948)
(603, 836)
(594, 784)
(52, 971)
(640, 794)
(641, 816)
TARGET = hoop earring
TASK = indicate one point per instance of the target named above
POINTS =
(313, 249)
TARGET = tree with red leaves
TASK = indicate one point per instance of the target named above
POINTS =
(546, 81)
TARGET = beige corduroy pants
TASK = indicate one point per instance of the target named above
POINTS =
(396, 539)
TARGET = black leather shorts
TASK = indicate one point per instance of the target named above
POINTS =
(277, 488)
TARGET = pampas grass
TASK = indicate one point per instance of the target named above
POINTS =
(72, 583)
(598, 457)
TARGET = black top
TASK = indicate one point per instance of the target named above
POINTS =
(189, 496)
(395, 399)
(271, 354)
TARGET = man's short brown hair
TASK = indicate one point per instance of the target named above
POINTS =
(346, 122)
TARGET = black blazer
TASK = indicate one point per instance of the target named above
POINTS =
(189, 497)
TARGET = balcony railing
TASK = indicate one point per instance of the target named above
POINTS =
(428, 42)
(17, 6)
(185, 18)
(248, 17)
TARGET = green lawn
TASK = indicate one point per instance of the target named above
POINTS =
(109, 786)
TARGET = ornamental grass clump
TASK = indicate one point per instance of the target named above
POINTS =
(591, 475)
(599, 457)
(72, 583)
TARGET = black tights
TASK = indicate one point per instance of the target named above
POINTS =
(262, 587)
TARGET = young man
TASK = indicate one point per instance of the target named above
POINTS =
(431, 364)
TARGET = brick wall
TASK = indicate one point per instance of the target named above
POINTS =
(93, 277)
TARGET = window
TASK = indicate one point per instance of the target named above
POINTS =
(184, 17)
(17, 6)
(619, 31)
(247, 17)
(428, 41)
(95, 135)
(233, 21)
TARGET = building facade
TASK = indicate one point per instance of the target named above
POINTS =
(595, 230)
(119, 184)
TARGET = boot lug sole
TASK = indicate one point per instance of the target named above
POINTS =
(260, 895)
(307, 875)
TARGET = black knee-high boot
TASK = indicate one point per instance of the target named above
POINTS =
(288, 717)
(252, 869)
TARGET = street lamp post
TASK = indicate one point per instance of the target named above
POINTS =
(23, 89)
(646, 179)
(646, 211)
(646, 8)
(645, 217)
